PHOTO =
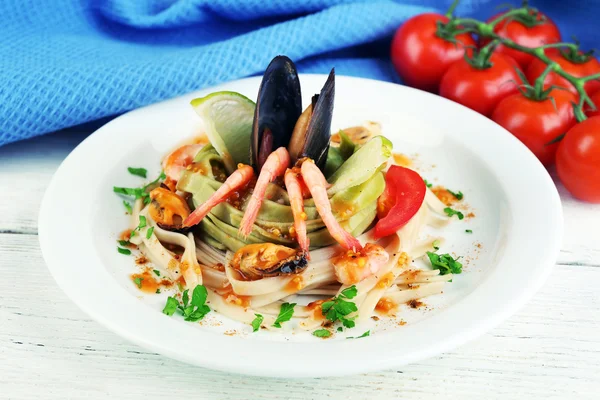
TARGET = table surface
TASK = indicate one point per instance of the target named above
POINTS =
(49, 349)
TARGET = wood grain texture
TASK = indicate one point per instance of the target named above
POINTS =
(49, 349)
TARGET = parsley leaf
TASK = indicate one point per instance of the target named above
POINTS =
(138, 282)
(138, 193)
(340, 329)
(171, 306)
(141, 172)
(157, 272)
(322, 333)
(199, 296)
(149, 232)
(468, 231)
(192, 311)
(445, 263)
(185, 297)
(285, 314)
(127, 207)
(337, 309)
(124, 251)
(427, 183)
(367, 333)
(124, 242)
(350, 292)
(459, 195)
(450, 212)
(141, 225)
(256, 322)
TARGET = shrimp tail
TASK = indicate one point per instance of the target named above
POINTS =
(294, 189)
(235, 181)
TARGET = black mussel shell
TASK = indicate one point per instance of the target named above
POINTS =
(278, 106)
(312, 132)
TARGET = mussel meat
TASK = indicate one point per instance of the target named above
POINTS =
(312, 132)
(256, 261)
(168, 209)
(278, 107)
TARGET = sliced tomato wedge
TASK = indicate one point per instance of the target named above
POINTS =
(403, 195)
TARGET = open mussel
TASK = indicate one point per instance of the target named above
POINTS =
(168, 210)
(256, 261)
(312, 132)
(278, 107)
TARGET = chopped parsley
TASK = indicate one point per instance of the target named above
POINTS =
(127, 207)
(138, 193)
(138, 282)
(436, 245)
(445, 263)
(124, 251)
(427, 183)
(459, 195)
(340, 329)
(468, 231)
(193, 310)
(285, 314)
(322, 333)
(256, 322)
(157, 291)
(338, 308)
(367, 333)
(171, 306)
(141, 225)
(149, 232)
(450, 212)
(141, 172)
(157, 272)
(124, 242)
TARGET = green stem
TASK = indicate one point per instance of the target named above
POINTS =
(508, 14)
(539, 82)
(450, 11)
(487, 30)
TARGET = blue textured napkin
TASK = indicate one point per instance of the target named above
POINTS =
(66, 62)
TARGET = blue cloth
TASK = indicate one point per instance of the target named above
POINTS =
(66, 62)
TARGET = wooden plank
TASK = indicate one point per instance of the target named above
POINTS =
(51, 350)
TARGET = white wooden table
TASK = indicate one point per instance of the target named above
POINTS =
(49, 349)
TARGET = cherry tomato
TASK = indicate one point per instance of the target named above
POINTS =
(578, 160)
(480, 89)
(537, 123)
(403, 196)
(588, 110)
(577, 69)
(545, 32)
(420, 56)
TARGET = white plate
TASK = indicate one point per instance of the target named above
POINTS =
(515, 241)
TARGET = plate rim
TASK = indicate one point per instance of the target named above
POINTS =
(382, 361)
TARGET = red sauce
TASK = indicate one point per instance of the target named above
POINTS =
(148, 283)
(316, 309)
(237, 198)
(444, 195)
(232, 298)
(386, 306)
(295, 284)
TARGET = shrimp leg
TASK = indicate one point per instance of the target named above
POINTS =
(274, 166)
(235, 181)
(314, 179)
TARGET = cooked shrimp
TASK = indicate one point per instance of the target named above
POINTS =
(235, 181)
(294, 189)
(176, 162)
(274, 166)
(352, 267)
(314, 179)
